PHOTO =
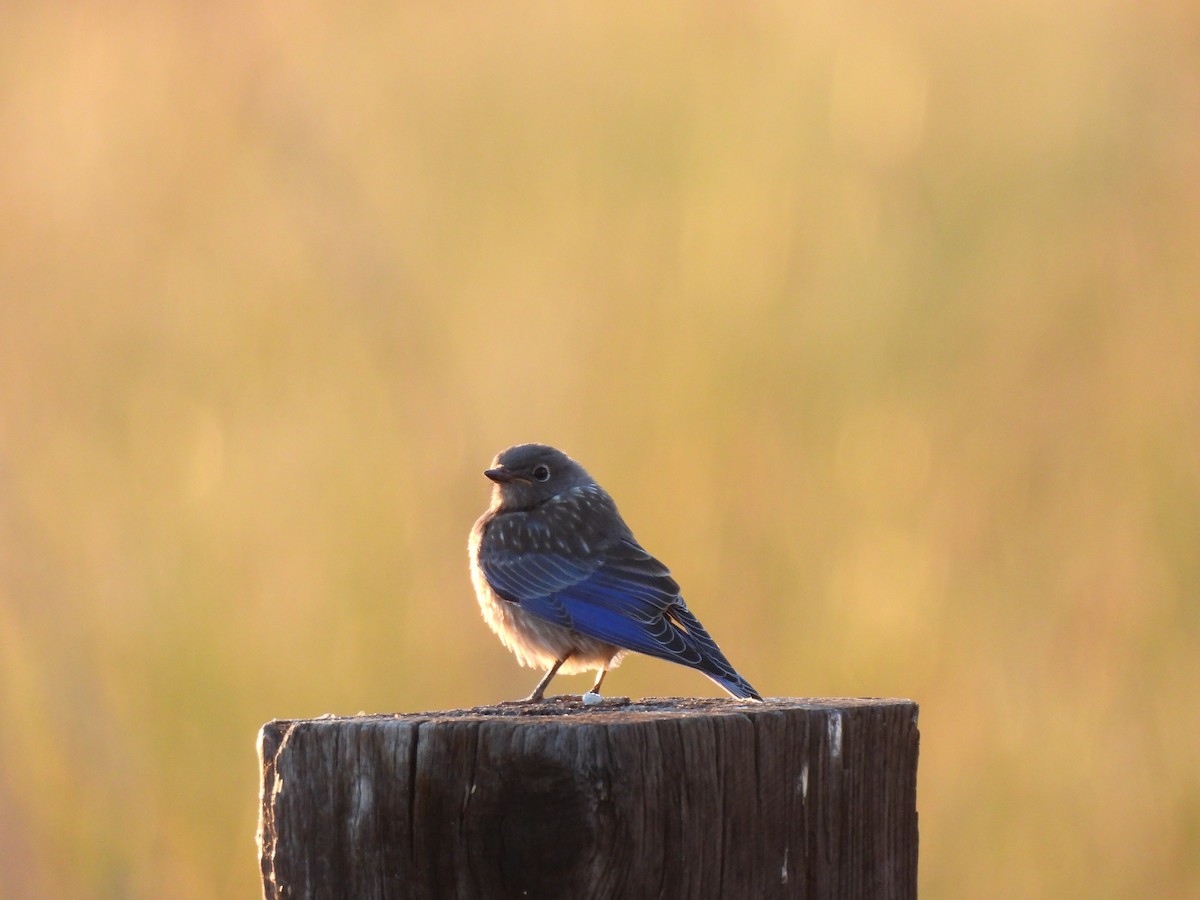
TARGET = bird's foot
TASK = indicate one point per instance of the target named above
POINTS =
(591, 698)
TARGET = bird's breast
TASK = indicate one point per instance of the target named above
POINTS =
(535, 641)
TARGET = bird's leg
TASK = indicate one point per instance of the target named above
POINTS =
(536, 696)
(599, 681)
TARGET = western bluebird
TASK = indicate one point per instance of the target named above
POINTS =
(566, 586)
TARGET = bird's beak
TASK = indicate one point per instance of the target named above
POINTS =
(502, 476)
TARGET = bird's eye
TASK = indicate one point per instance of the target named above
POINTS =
(541, 473)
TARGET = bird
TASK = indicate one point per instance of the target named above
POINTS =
(563, 582)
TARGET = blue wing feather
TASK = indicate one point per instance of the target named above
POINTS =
(623, 596)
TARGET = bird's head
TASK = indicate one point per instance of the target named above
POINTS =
(528, 475)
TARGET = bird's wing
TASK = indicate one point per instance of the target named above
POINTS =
(623, 596)
(533, 580)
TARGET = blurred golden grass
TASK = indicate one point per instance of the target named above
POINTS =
(881, 325)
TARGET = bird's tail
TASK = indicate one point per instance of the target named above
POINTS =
(712, 661)
(736, 685)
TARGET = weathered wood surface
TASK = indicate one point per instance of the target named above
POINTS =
(657, 798)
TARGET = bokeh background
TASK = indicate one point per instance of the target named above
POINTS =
(882, 324)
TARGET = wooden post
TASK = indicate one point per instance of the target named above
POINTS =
(656, 798)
